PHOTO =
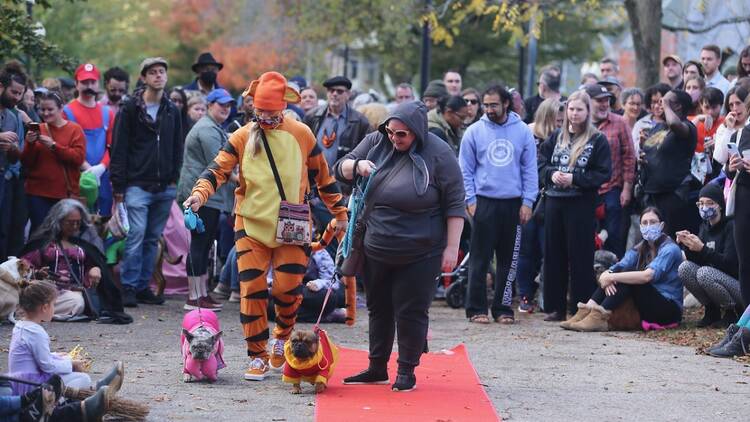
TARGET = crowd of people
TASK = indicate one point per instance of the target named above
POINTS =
(656, 176)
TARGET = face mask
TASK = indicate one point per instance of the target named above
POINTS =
(269, 123)
(208, 77)
(651, 233)
(114, 98)
(707, 213)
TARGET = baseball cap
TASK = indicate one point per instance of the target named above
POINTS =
(609, 80)
(597, 91)
(219, 95)
(152, 61)
(86, 71)
(674, 57)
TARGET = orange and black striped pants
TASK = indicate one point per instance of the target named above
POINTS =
(289, 266)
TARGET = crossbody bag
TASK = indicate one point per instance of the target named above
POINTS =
(293, 226)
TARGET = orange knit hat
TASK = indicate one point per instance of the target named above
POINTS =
(270, 92)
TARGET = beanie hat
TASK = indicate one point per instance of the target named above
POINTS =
(435, 89)
(713, 192)
(270, 92)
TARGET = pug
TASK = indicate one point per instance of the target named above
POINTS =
(310, 357)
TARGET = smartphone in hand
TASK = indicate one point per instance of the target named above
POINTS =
(34, 127)
(732, 148)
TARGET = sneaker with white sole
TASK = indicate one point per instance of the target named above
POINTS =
(277, 354)
(222, 291)
(258, 370)
(234, 297)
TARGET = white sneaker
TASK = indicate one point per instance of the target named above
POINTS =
(222, 291)
(257, 371)
(234, 297)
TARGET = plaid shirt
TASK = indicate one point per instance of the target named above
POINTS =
(616, 130)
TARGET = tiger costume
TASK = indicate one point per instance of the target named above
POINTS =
(300, 162)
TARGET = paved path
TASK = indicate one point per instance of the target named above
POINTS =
(532, 371)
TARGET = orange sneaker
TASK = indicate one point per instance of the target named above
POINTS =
(258, 370)
(277, 354)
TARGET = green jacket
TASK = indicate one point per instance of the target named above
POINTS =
(202, 144)
(436, 124)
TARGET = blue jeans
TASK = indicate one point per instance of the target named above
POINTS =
(613, 222)
(229, 274)
(530, 258)
(10, 408)
(147, 213)
(39, 207)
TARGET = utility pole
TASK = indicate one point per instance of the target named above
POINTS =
(424, 68)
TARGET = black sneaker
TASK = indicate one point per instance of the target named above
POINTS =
(148, 297)
(128, 298)
(711, 315)
(368, 376)
(404, 382)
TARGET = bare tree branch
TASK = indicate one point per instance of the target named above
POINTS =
(693, 30)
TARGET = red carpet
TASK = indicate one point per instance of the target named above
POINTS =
(448, 390)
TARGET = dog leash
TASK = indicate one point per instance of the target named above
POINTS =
(316, 327)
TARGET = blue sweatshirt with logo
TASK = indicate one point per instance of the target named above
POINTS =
(499, 160)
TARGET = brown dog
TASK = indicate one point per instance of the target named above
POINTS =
(311, 357)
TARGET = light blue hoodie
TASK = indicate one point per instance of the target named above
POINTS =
(499, 160)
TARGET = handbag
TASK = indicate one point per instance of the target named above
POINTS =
(293, 226)
(353, 263)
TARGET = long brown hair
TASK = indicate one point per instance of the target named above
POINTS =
(36, 294)
(577, 143)
(645, 253)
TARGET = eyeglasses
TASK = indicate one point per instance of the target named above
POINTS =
(397, 133)
(705, 204)
(492, 105)
(471, 101)
(71, 223)
(340, 91)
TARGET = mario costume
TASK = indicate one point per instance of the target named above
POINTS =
(318, 368)
(97, 123)
(299, 162)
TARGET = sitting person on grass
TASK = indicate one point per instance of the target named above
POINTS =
(647, 273)
(712, 267)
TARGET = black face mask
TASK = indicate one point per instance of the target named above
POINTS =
(208, 77)
(114, 98)
(89, 91)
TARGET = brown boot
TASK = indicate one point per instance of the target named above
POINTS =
(596, 320)
(583, 311)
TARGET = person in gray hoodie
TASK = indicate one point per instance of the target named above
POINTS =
(498, 162)
(417, 200)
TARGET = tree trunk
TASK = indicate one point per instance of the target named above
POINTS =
(645, 26)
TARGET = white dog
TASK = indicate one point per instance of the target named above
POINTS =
(12, 272)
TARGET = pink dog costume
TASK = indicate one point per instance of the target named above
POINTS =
(209, 368)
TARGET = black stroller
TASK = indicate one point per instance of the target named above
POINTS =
(456, 281)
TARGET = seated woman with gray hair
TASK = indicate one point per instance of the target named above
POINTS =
(67, 250)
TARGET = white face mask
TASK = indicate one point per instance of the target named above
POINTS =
(651, 232)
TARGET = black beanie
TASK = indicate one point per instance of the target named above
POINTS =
(713, 192)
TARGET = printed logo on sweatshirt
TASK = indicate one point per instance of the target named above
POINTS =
(500, 152)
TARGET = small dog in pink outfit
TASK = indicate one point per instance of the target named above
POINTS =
(202, 346)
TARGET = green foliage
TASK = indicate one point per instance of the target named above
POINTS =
(19, 38)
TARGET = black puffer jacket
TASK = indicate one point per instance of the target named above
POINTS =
(146, 153)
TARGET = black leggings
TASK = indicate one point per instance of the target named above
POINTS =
(741, 238)
(568, 252)
(398, 300)
(200, 243)
(652, 306)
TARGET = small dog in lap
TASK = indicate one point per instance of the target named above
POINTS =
(202, 346)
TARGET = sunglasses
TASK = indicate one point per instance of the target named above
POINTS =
(397, 133)
(471, 101)
(339, 91)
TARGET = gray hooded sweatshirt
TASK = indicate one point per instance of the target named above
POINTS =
(408, 216)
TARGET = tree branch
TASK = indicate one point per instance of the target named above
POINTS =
(693, 30)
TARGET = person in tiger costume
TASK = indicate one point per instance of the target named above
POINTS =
(299, 162)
